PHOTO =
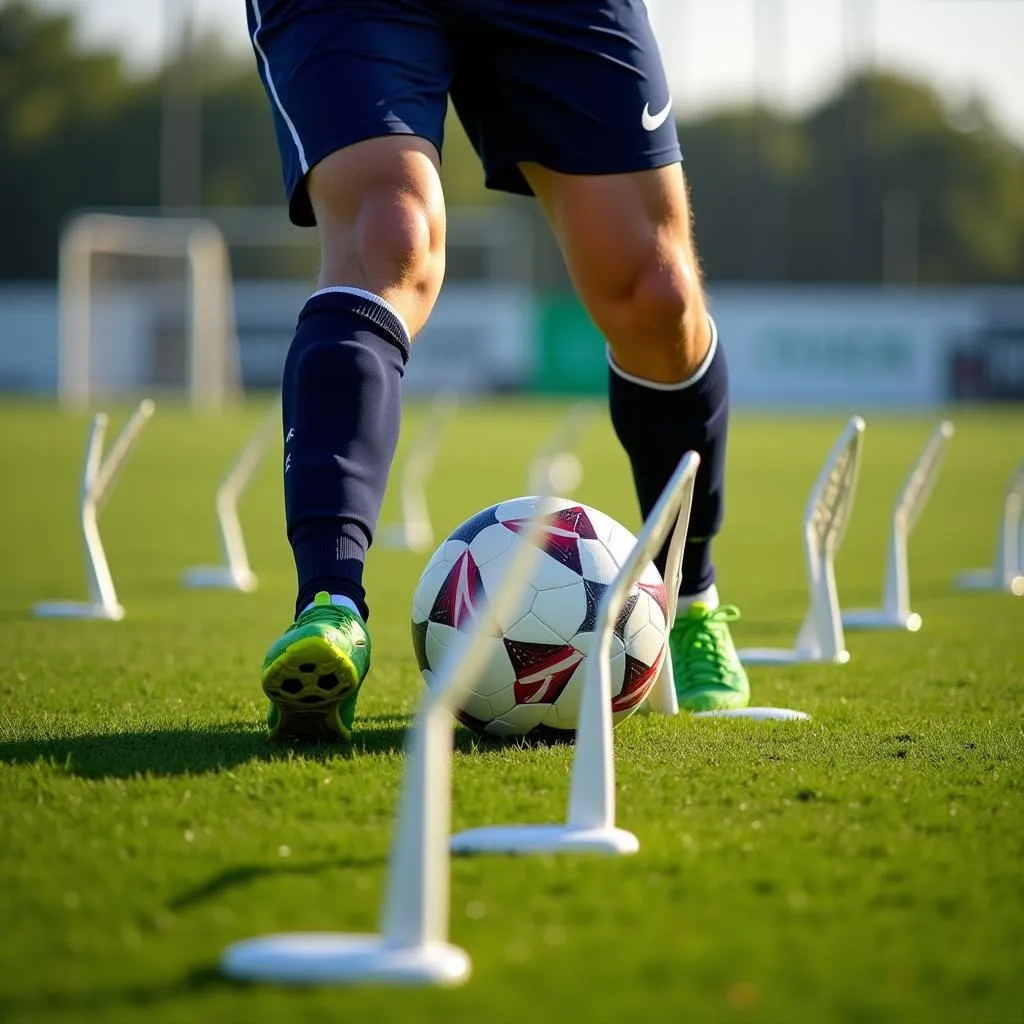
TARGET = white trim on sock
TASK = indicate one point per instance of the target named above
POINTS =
(708, 597)
(370, 297)
(657, 385)
(339, 599)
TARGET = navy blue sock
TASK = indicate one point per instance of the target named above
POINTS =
(657, 425)
(341, 404)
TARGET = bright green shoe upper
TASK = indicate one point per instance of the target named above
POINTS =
(338, 625)
(707, 670)
(313, 672)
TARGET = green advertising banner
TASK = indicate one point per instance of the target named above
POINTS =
(570, 355)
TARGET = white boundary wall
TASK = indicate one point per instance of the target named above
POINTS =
(788, 347)
(479, 339)
(835, 346)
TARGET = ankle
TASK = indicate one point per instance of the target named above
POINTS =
(341, 601)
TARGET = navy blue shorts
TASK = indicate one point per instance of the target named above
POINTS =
(575, 85)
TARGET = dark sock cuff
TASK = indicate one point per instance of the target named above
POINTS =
(372, 308)
(685, 416)
(656, 424)
(698, 400)
(323, 544)
(329, 555)
(713, 385)
(698, 571)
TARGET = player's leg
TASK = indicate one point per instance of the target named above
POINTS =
(365, 172)
(635, 270)
(577, 111)
(380, 216)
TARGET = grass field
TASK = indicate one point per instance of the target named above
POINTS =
(866, 866)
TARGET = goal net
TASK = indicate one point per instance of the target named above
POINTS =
(146, 304)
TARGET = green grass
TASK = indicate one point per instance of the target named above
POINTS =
(864, 867)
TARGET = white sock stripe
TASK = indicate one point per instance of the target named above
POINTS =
(657, 385)
(706, 361)
(339, 599)
(370, 297)
(257, 46)
(707, 597)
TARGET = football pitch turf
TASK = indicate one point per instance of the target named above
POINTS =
(864, 866)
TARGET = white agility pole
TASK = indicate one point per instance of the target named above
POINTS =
(590, 825)
(662, 699)
(555, 461)
(412, 947)
(98, 476)
(234, 573)
(895, 612)
(415, 532)
(1007, 574)
(828, 511)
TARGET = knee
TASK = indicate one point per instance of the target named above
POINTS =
(393, 240)
(380, 212)
(656, 323)
(662, 294)
(399, 238)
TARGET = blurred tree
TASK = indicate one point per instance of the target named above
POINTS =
(822, 187)
(740, 165)
(73, 131)
(240, 160)
(880, 180)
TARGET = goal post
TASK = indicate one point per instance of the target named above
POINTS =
(212, 364)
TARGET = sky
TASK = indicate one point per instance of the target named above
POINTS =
(722, 52)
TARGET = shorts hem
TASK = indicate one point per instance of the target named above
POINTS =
(300, 211)
(508, 178)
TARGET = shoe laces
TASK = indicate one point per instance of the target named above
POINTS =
(699, 643)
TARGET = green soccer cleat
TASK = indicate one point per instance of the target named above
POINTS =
(707, 670)
(312, 674)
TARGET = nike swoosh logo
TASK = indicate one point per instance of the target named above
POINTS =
(652, 122)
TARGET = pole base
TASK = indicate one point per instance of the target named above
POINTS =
(788, 656)
(757, 714)
(326, 958)
(221, 577)
(988, 579)
(879, 618)
(613, 842)
(78, 610)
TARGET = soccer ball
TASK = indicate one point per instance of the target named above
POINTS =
(532, 680)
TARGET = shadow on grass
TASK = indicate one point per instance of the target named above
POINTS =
(12, 613)
(244, 874)
(198, 981)
(195, 750)
(198, 750)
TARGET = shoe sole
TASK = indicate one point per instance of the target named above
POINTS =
(307, 682)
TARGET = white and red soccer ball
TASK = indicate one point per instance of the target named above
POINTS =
(533, 678)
